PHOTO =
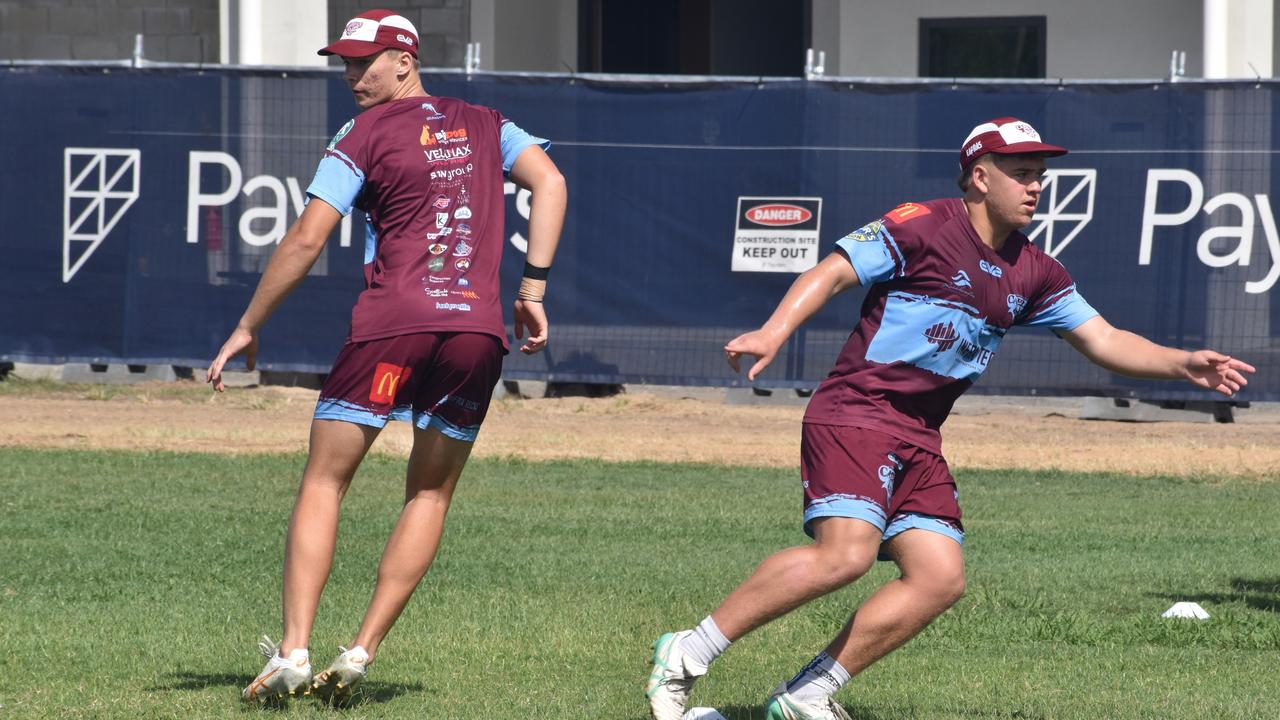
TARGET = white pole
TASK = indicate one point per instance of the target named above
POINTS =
(1216, 23)
(250, 33)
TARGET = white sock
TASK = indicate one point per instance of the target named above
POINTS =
(819, 680)
(705, 642)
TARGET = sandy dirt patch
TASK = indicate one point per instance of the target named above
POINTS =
(661, 424)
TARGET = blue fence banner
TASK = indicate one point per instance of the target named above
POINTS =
(141, 206)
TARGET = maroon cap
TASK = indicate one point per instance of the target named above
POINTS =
(1007, 136)
(374, 31)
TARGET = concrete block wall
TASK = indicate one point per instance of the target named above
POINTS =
(173, 30)
(444, 26)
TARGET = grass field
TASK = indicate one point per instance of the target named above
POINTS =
(135, 585)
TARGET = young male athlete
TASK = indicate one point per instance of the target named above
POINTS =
(947, 279)
(427, 336)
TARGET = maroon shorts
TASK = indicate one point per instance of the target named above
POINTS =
(438, 380)
(856, 473)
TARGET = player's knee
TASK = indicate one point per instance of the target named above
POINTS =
(945, 587)
(846, 563)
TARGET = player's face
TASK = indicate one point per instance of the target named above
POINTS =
(1013, 188)
(372, 79)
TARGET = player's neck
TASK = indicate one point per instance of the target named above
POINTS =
(992, 233)
(410, 87)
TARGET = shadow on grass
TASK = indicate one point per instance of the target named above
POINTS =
(370, 692)
(756, 712)
(1259, 594)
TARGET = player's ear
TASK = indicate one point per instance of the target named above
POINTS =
(981, 178)
(405, 64)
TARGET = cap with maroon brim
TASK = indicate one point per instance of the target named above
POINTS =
(1005, 136)
(372, 32)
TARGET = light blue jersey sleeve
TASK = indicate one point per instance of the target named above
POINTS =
(514, 141)
(338, 181)
(1065, 310)
(874, 253)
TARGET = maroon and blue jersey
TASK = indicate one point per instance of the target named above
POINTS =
(939, 303)
(428, 174)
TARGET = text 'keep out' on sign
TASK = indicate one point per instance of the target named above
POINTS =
(776, 234)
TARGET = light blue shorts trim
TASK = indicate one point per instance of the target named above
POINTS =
(858, 508)
(331, 409)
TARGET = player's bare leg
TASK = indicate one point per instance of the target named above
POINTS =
(337, 448)
(435, 465)
(932, 580)
(844, 549)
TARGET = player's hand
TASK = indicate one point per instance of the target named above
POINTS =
(760, 344)
(241, 342)
(1215, 371)
(530, 316)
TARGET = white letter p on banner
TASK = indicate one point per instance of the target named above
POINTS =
(196, 199)
(1151, 218)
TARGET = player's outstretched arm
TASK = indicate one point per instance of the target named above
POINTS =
(535, 172)
(1125, 353)
(807, 295)
(289, 264)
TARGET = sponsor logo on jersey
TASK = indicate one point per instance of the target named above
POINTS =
(342, 132)
(464, 229)
(462, 249)
(386, 377)
(452, 173)
(435, 264)
(442, 233)
(960, 279)
(867, 233)
(437, 248)
(432, 292)
(441, 137)
(944, 336)
(437, 280)
(441, 202)
(442, 219)
(462, 264)
(991, 269)
(435, 114)
(470, 294)
(448, 154)
(908, 211)
(1016, 304)
(464, 197)
(463, 282)
(462, 213)
(778, 214)
(461, 307)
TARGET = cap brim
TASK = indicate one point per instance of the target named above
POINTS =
(352, 48)
(1028, 148)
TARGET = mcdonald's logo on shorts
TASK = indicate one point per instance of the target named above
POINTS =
(386, 378)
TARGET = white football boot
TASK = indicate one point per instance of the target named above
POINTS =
(782, 706)
(282, 677)
(337, 684)
(673, 674)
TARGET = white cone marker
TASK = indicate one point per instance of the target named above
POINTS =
(1186, 610)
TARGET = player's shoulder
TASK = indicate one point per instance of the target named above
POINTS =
(357, 129)
(922, 217)
(459, 108)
